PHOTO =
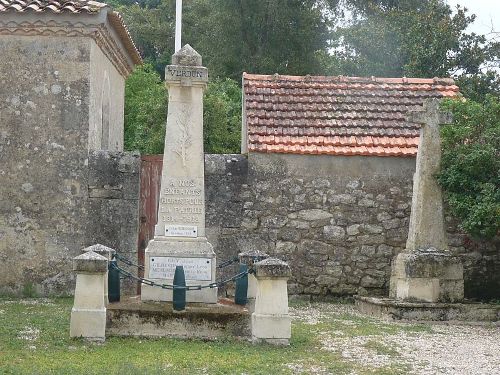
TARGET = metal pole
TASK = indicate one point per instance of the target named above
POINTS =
(178, 25)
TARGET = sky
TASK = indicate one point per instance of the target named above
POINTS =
(487, 12)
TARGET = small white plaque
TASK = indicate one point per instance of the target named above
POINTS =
(181, 231)
(199, 269)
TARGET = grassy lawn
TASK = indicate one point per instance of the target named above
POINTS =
(34, 339)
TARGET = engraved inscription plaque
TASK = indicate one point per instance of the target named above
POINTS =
(182, 202)
(181, 231)
(198, 269)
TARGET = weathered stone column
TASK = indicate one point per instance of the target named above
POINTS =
(88, 316)
(426, 271)
(107, 253)
(250, 258)
(270, 321)
(180, 231)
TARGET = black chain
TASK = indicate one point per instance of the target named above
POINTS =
(188, 287)
(128, 262)
(228, 262)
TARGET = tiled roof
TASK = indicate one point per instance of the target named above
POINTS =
(75, 7)
(336, 115)
(54, 6)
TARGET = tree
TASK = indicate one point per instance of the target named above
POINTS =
(145, 111)
(264, 36)
(151, 28)
(417, 39)
(470, 170)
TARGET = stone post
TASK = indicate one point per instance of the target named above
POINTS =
(107, 253)
(88, 316)
(180, 231)
(250, 258)
(426, 271)
(270, 320)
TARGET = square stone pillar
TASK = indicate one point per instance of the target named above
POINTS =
(88, 315)
(107, 253)
(271, 322)
(426, 271)
(250, 258)
(180, 231)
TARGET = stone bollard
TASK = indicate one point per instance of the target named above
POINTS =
(88, 316)
(270, 320)
(107, 253)
(250, 258)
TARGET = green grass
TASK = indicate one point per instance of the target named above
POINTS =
(34, 339)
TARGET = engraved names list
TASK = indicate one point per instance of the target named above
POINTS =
(182, 204)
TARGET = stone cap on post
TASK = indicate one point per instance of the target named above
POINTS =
(186, 68)
(272, 268)
(251, 257)
(105, 251)
(90, 262)
(187, 56)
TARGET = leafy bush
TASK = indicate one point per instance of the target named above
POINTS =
(145, 111)
(470, 170)
(146, 101)
(222, 117)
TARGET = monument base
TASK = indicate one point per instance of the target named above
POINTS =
(133, 317)
(195, 255)
(390, 309)
(427, 276)
(88, 323)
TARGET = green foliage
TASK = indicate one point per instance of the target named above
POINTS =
(234, 36)
(151, 26)
(146, 114)
(478, 86)
(408, 38)
(470, 171)
(263, 36)
(145, 111)
(222, 117)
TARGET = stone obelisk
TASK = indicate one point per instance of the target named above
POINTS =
(180, 230)
(426, 271)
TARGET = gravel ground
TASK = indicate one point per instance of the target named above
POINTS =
(438, 349)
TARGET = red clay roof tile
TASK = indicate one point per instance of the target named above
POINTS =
(336, 115)
(76, 7)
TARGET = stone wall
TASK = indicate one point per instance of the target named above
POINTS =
(105, 211)
(44, 93)
(47, 211)
(113, 204)
(339, 221)
(107, 101)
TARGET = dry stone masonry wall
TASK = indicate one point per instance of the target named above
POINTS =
(338, 221)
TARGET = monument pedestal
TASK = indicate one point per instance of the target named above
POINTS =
(197, 257)
(426, 271)
(180, 230)
(427, 276)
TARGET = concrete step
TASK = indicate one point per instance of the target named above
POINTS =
(132, 317)
(422, 311)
